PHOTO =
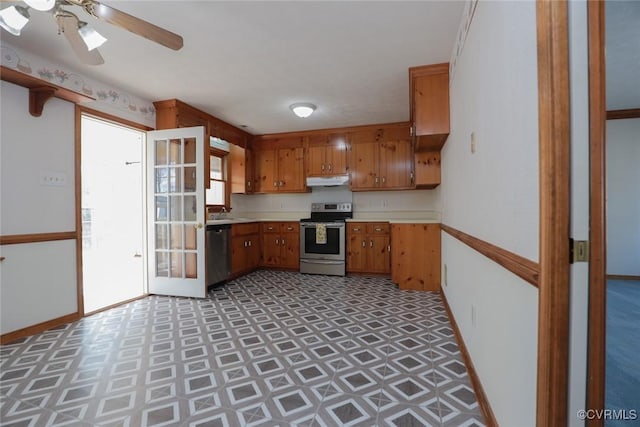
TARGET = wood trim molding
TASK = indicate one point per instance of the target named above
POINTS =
(483, 401)
(596, 335)
(304, 133)
(77, 160)
(518, 265)
(40, 91)
(15, 239)
(36, 329)
(111, 118)
(633, 113)
(622, 277)
(552, 26)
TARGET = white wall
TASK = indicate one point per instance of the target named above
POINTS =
(623, 197)
(493, 195)
(38, 281)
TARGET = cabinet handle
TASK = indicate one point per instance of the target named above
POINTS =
(323, 167)
(275, 183)
(283, 242)
(356, 229)
(245, 243)
(330, 167)
(388, 248)
(371, 245)
(412, 177)
(376, 180)
(281, 184)
(384, 179)
(378, 229)
(277, 242)
(364, 244)
(249, 242)
(290, 228)
(269, 228)
(248, 184)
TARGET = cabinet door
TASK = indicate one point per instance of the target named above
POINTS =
(290, 246)
(253, 251)
(336, 155)
(363, 164)
(431, 104)
(238, 254)
(356, 247)
(378, 254)
(316, 160)
(427, 166)
(238, 168)
(411, 242)
(291, 169)
(396, 164)
(266, 180)
(271, 249)
(250, 182)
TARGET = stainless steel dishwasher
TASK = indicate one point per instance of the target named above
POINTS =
(218, 253)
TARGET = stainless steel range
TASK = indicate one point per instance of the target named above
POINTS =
(323, 239)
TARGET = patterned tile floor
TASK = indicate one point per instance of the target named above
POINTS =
(269, 349)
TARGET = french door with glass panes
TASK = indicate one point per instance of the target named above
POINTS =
(176, 212)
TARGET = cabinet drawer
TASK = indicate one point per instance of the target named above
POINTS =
(244, 229)
(271, 227)
(289, 227)
(378, 228)
(356, 227)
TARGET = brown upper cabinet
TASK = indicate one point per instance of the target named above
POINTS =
(381, 159)
(279, 166)
(429, 98)
(327, 154)
(241, 170)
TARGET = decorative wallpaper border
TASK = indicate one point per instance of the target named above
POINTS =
(463, 31)
(108, 97)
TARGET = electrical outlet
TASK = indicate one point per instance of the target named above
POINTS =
(445, 275)
(473, 315)
(53, 179)
(473, 142)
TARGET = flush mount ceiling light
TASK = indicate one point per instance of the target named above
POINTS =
(83, 39)
(13, 19)
(302, 109)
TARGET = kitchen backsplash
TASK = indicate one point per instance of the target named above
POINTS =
(417, 202)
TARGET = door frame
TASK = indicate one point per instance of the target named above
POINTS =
(79, 112)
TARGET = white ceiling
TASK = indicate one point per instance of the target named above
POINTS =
(246, 62)
(622, 41)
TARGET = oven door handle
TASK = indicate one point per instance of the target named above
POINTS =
(321, 261)
(326, 224)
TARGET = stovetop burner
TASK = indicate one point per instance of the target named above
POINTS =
(330, 212)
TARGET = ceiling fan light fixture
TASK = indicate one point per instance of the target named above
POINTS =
(303, 109)
(90, 36)
(42, 5)
(13, 19)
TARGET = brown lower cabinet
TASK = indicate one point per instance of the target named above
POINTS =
(245, 247)
(281, 245)
(415, 256)
(368, 247)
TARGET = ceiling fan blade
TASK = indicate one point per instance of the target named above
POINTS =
(70, 30)
(135, 25)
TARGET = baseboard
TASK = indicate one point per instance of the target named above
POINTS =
(36, 329)
(483, 402)
(622, 277)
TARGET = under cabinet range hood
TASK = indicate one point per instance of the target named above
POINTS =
(328, 181)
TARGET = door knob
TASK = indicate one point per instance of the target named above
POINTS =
(137, 255)
(197, 226)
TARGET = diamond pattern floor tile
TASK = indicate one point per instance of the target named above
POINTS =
(268, 349)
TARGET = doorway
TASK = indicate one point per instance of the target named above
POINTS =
(112, 213)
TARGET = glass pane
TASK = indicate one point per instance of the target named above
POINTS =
(215, 194)
(190, 208)
(190, 237)
(174, 180)
(175, 146)
(190, 150)
(161, 152)
(176, 264)
(176, 208)
(176, 236)
(161, 208)
(162, 236)
(162, 264)
(190, 179)
(215, 167)
(162, 180)
(191, 266)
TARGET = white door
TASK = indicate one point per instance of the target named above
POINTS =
(176, 212)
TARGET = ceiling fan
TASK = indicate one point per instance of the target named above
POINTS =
(81, 36)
